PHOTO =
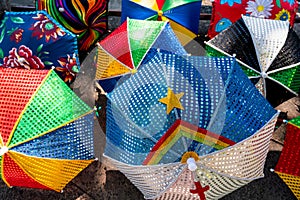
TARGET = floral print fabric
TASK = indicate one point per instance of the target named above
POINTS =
(33, 40)
(226, 12)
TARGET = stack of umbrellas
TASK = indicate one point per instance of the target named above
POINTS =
(178, 126)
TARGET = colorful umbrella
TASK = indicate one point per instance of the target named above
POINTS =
(124, 50)
(269, 52)
(191, 128)
(33, 40)
(183, 14)
(289, 162)
(227, 12)
(85, 18)
(46, 134)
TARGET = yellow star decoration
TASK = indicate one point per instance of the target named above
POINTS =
(172, 100)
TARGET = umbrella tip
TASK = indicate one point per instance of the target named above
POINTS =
(62, 191)
(234, 55)
(191, 164)
(272, 170)
(61, 9)
(96, 159)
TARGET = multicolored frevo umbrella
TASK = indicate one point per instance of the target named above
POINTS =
(183, 14)
(34, 40)
(191, 128)
(46, 131)
(125, 49)
(269, 52)
(289, 162)
(85, 18)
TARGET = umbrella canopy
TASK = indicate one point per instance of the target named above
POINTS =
(125, 49)
(227, 12)
(183, 14)
(34, 40)
(85, 18)
(289, 162)
(269, 52)
(193, 122)
(46, 135)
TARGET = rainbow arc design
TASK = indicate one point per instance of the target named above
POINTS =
(184, 129)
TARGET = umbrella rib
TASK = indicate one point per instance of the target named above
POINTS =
(1, 140)
(45, 158)
(161, 30)
(283, 68)
(265, 87)
(114, 57)
(50, 130)
(184, 140)
(26, 106)
(165, 70)
(250, 77)
(215, 113)
(128, 41)
(115, 76)
(225, 53)
(254, 43)
(230, 147)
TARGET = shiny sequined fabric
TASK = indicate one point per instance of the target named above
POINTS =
(179, 104)
(46, 130)
(268, 51)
